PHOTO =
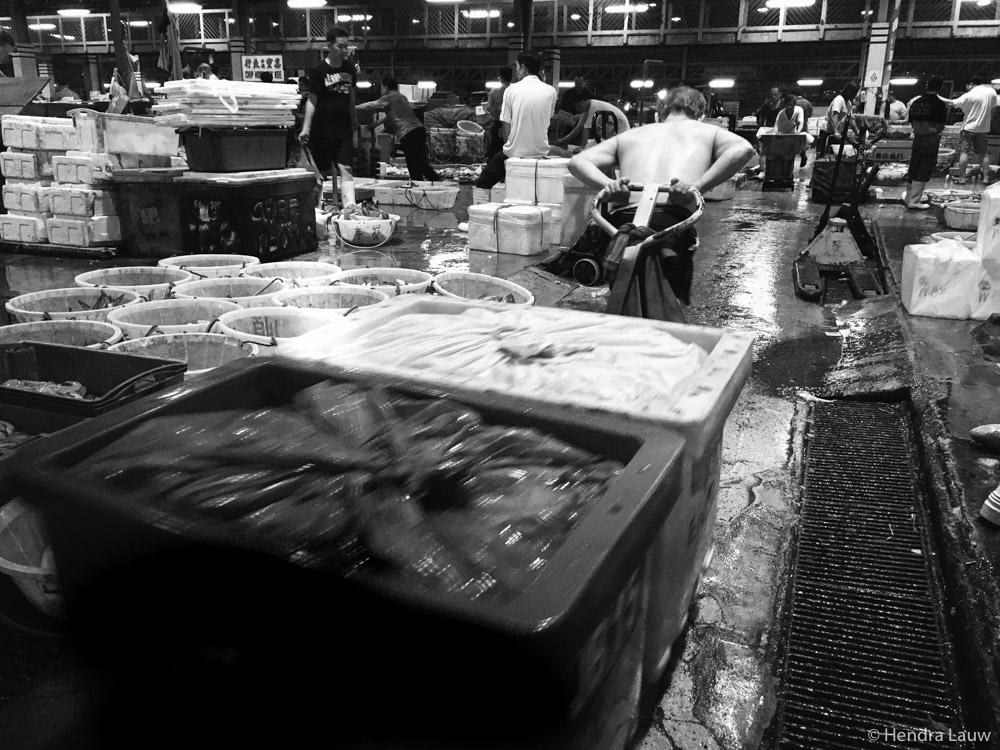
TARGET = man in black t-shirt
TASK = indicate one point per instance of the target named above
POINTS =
(928, 115)
(330, 125)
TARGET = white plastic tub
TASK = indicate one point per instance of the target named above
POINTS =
(436, 197)
(476, 287)
(92, 334)
(68, 304)
(536, 180)
(295, 272)
(202, 351)
(149, 282)
(337, 299)
(962, 216)
(511, 229)
(364, 233)
(217, 266)
(271, 328)
(171, 316)
(245, 291)
(390, 281)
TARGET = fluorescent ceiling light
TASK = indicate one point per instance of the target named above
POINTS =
(415, 20)
(789, 3)
(426, 85)
(647, 84)
(493, 84)
(810, 82)
(64, 38)
(566, 84)
(574, 16)
(636, 84)
(983, 3)
(139, 24)
(73, 12)
(867, 12)
(183, 8)
(721, 83)
(364, 84)
(764, 10)
(676, 19)
(481, 13)
(636, 8)
(510, 24)
(355, 17)
(904, 81)
(42, 26)
(302, 4)
(366, 28)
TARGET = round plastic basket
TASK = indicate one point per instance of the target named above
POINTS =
(365, 233)
(469, 127)
(26, 556)
(479, 287)
(295, 272)
(366, 259)
(270, 327)
(246, 291)
(150, 282)
(390, 281)
(201, 351)
(332, 299)
(75, 303)
(957, 236)
(431, 196)
(92, 334)
(170, 316)
(217, 266)
(962, 215)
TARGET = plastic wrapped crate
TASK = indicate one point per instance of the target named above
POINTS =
(562, 657)
(536, 180)
(507, 228)
(553, 225)
(697, 409)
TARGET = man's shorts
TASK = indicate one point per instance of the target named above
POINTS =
(971, 143)
(923, 159)
(330, 151)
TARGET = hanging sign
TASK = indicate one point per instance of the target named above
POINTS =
(254, 65)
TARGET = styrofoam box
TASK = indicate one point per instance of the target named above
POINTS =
(21, 131)
(498, 193)
(86, 168)
(577, 204)
(940, 280)
(536, 180)
(988, 231)
(504, 228)
(26, 196)
(27, 165)
(555, 219)
(698, 410)
(75, 200)
(986, 299)
(24, 228)
(97, 230)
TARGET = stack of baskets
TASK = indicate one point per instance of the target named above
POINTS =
(470, 141)
(441, 144)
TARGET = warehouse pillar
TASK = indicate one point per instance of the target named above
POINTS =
(881, 44)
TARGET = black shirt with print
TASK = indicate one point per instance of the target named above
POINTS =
(332, 87)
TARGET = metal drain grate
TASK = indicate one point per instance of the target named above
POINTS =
(867, 663)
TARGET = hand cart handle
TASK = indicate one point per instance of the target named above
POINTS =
(680, 226)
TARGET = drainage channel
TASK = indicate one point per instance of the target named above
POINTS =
(867, 661)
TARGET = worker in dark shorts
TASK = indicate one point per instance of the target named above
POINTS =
(330, 126)
(928, 115)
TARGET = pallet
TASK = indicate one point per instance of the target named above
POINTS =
(48, 250)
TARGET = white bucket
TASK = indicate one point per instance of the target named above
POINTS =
(337, 299)
(476, 286)
(218, 266)
(26, 556)
(74, 303)
(92, 334)
(271, 327)
(962, 215)
(389, 281)
(201, 351)
(434, 197)
(151, 282)
(536, 180)
(170, 316)
(364, 233)
(245, 291)
(295, 272)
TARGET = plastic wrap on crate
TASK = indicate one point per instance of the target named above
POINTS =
(26, 196)
(85, 232)
(507, 228)
(553, 226)
(430, 196)
(940, 280)
(75, 200)
(536, 180)
(986, 299)
(988, 230)
(24, 228)
(27, 165)
(124, 134)
(28, 132)
(578, 201)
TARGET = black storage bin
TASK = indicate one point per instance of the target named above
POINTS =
(234, 149)
(822, 181)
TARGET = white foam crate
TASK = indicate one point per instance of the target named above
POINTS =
(553, 222)
(97, 230)
(24, 228)
(26, 196)
(75, 200)
(698, 410)
(27, 165)
(54, 133)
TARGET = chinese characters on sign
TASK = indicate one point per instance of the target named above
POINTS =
(254, 65)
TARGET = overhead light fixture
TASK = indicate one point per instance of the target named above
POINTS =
(480, 14)
(721, 83)
(63, 38)
(354, 17)
(810, 82)
(764, 10)
(676, 19)
(566, 84)
(904, 81)
(73, 12)
(364, 84)
(867, 12)
(647, 84)
(983, 3)
(426, 85)
(637, 8)
(415, 20)
(139, 24)
(493, 84)
(789, 3)
(274, 24)
(661, 94)
(42, 26)
(366, 28)
(636, 84)
(230, 20)
(575, 16)
(510, 24)
(183, 8)
(303, 4)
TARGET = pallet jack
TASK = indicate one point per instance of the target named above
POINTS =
(840, 245)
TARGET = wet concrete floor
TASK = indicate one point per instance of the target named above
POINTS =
(720, 690)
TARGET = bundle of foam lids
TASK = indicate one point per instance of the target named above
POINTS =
(226, 104)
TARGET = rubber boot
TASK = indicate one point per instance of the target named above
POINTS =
(480, 195)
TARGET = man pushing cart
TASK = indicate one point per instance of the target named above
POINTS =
(667, 166)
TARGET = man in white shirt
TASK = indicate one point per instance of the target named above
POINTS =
(895, 108)
(977, 103)
(791, 118)
(528, 107)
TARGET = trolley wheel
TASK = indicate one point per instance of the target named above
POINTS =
(588, 272)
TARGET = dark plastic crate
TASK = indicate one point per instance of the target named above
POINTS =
(556, 666)
(234, 149)
(115, 378)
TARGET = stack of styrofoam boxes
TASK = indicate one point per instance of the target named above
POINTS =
(539, 182)
(33, 143)
(986, 299)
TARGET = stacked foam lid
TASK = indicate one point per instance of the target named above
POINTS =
(226, 104)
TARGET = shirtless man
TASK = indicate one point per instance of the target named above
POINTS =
(681, 151)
